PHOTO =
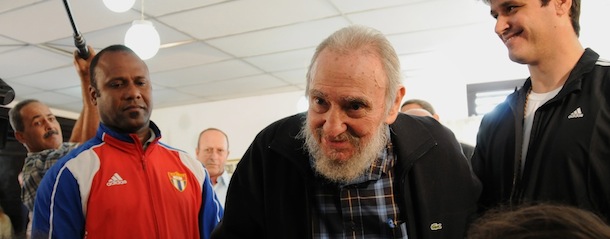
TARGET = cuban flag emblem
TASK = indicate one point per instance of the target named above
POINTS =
(178, 180)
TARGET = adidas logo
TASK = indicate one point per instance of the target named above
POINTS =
(116, 180)
(576, 114)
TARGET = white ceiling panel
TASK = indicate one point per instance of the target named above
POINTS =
(418, 17)
(169, 97)
(52, 98)
(349, 6)
(59, 78)
(5, 41)
(296, 77)
(233, 86)
(236, 17)
(73, 91)
(92, 15)
(196, 53)
(50, 22)
(163, 7)
(307, 34)
(22, 90)
(116, 35)
(205, 73)
(75, 106)
(12, 5)
(255, 93)
(9, 47)
(283, 61)
(28, 60)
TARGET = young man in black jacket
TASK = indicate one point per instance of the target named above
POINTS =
(352, 166)
(548, 142)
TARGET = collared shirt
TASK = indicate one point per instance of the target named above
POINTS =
(222, 184)
(365, 208)
(35, 166)
(150, 139)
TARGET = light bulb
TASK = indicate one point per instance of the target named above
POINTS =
(119, 5)
(143, 39)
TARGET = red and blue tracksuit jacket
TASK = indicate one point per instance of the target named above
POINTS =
(111, 187)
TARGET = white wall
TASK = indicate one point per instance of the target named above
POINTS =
(241, 119)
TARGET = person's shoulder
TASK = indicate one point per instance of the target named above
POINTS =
(412, 123)
(501, 110)
(413, 130)
(291, 125)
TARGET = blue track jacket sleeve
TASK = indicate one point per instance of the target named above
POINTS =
(211, 209)
(58, 209)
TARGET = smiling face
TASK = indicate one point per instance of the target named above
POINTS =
(345, 128)
(41, 129)
(528, 29)
(123, 95)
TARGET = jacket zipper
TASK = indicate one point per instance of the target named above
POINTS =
(150, 197)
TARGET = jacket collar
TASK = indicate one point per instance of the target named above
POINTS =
(585, 64)
(123, 139)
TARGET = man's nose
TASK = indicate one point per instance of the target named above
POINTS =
(132, 91)
(334, 123)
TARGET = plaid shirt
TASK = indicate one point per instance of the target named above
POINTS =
(34, 168)
(365, 208)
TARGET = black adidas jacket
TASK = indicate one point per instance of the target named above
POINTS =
(569, 151)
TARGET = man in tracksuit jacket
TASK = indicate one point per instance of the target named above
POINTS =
(548, 142)
(568, 160)
(124, 183)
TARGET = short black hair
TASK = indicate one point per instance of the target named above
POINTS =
(96, 59)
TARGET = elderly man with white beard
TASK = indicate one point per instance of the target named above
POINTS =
(352, 166)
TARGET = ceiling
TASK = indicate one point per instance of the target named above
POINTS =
(215, 50)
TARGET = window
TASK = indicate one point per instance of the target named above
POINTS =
(483, 97)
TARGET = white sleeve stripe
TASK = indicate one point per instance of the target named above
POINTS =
(52, 204)
(84, 168)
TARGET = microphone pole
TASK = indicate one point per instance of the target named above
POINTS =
(79, 40)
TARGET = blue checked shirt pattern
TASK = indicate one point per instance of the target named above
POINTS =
(365, 208)
(34, 168)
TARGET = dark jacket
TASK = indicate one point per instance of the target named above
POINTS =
(270, 193)
(568, 159)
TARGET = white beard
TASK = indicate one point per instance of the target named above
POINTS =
(344, 171)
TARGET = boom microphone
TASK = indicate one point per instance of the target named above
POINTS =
(79, 40)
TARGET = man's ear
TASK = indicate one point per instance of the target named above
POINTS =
(20, 137)
(435, 116)
(93, 94)
(395, 107)
(563, 7)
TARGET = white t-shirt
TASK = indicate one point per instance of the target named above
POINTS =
(534, 101)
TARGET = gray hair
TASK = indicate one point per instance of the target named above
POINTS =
(14, 114)
(356, 37)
